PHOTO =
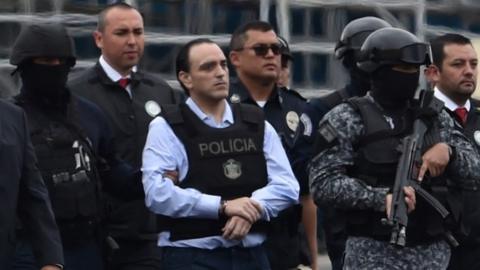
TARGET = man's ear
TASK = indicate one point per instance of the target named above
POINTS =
(98, 38)
(234, 58)
(186, 79)
(432, 73)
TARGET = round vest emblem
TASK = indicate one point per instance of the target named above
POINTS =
(235, 98)
(152, 108)
(232, 169)
(292, 120)
(476, 136)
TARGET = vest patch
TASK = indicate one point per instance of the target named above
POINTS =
(235, 98)
(231, 145)
(476, 137)
(232, 169)
(152, 108)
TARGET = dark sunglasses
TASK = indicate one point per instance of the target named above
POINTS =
(262, 49)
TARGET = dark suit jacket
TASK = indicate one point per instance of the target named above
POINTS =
(129, 118)
(23, 193)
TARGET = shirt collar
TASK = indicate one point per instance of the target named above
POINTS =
(449, 104)
(240, 94)
(111, 72)
(227, 117)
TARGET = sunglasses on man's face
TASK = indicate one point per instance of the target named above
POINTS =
(262, 49)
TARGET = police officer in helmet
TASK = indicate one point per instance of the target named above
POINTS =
(357, 161)
(71, 138)
(347, 51)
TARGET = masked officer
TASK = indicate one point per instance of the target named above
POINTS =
(72, 139)
(24, 195)
(454, 72)
(130, 98)
(255, 52)
(347, 51)
(357, 161)
(233, 174)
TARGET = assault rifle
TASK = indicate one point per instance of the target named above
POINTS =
(407, 171)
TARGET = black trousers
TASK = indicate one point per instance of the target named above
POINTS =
(136, 255)
(465, 257)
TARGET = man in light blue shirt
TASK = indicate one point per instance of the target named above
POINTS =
(218, 172)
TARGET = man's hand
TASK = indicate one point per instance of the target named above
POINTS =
(172, 175)
(243, 207)
(236, 228)
(409, 199)
(435, 160)
(50, 267)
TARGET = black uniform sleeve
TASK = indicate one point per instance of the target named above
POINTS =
(303, 150)
(34, 208)
(119, 178)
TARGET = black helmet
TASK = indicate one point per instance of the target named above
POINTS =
(391, 46)
(285, 49)
(43, 40)
(355, 33)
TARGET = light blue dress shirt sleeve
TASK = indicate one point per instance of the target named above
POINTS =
(164, 152)
(282, 189)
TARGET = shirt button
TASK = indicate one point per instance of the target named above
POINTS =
(131, 117)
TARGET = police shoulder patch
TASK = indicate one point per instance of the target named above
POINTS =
(307, 124)
(327, 131)
(326, 137)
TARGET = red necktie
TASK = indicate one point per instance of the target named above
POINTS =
(461, 114)
(123, 82)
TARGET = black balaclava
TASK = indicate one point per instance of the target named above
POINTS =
(359, 79)
(45, 84)
(393, 89)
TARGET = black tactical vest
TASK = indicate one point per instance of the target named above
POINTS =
(470, 189)
(66, 161)
(472, 132)
(376, 164)
(227, 162)
(377, 150)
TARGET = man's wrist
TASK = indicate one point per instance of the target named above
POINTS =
(221, 208)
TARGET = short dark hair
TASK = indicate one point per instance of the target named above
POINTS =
(438, 44)
(101, 22)
(239, 36)
(182, 62)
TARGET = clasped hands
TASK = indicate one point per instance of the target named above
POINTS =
(241, 212)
